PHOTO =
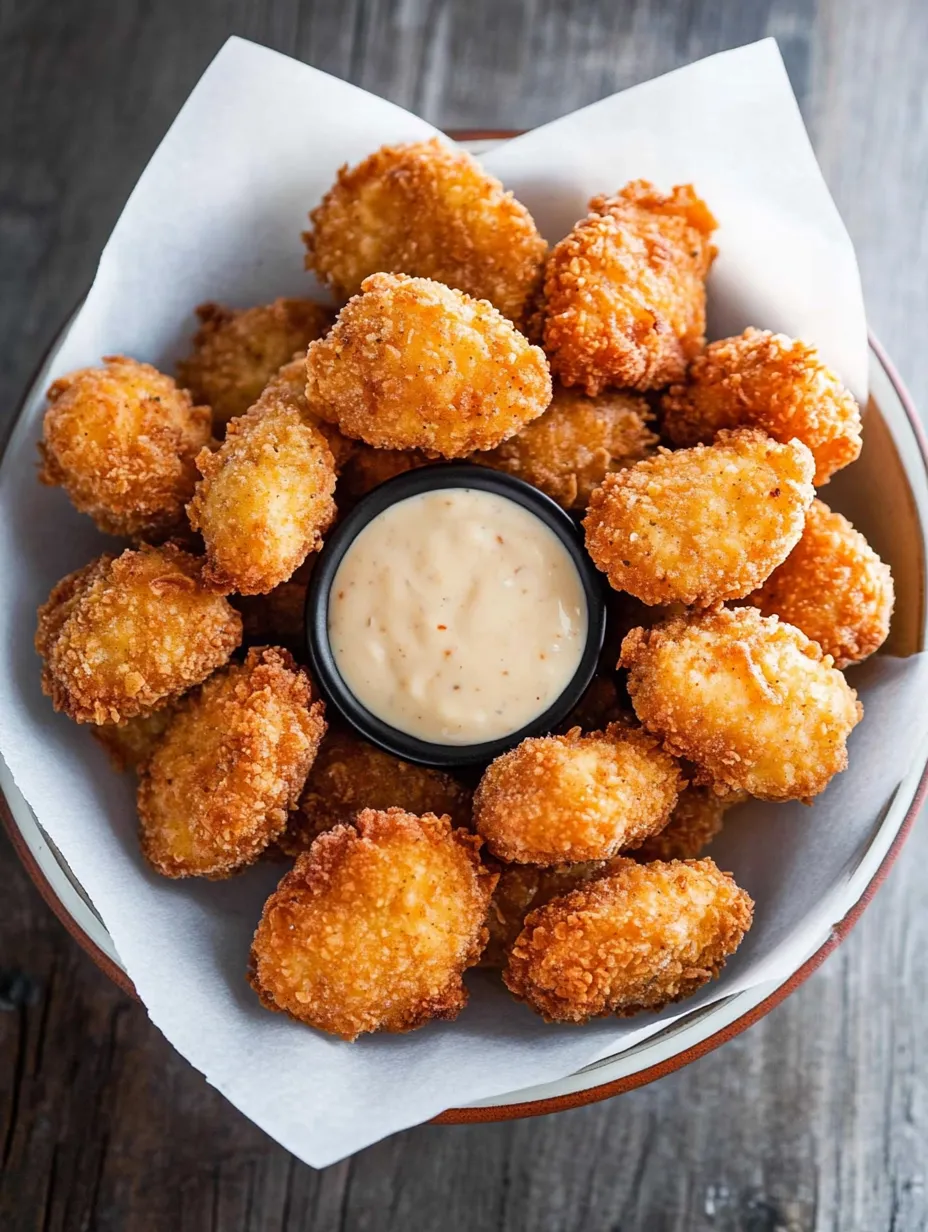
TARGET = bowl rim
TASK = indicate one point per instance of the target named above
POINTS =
(486, 1111)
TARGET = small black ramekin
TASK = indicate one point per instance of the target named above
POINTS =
(412, 483)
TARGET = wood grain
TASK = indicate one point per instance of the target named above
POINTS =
(815, 1119)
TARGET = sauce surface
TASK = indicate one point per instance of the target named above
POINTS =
(457, 616)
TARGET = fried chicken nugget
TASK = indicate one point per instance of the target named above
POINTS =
(237, 351)
(412, 364)
(375, 925)
(121, 441)
(288, 387)
(694, 823)
(265, 499)
(569, 450)
(220, 783)
(701, 525)
(624, 300)
(428, 210)
(129, 745)
(568, 799)
(637, 939)
(123, 636)
(765, 380)
(833, 587)
(350, 775)
(368, 468)
(751, 701)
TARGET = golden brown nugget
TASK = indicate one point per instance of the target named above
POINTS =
(236, 351)
(701, 525)
(218, 787)
(375, 925)
(569, 450)
(368, 468)
(639, 938)
(765, 380)
(412, 364)
(288, 387)
(833, 587)
(129, 745)
(694, 823)
(123, 636)
(568, 799)
(350, 775)
(624, 300)
(751, 701)
(428, 210)
(265, 499)
(121, 441)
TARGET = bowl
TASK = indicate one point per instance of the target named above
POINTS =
(894, 458)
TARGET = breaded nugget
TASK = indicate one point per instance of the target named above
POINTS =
(577, 441)
(694, 823)
(350, 775)
(412, 364)
(121, 441)
(123, 636)
(236, 351)
(265, 499)
(765, 380)
(751, 701)
(129, 745)
(375, 925)
(567, 799)
(428, 210)
(833, 587)
(638, 938)
(624, 299)
(701, 525)
(368, 468)
(219, 785)
(288, 387)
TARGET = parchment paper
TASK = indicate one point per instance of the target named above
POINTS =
(217, 214)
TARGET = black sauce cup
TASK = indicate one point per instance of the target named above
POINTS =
(413, 483)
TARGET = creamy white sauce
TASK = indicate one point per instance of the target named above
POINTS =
(457, 616)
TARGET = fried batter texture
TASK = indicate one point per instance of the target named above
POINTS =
(237, 351)
(264, 501)
(375, 925)
(431, 211)
(567, 799)
(129, 745)
(350, 775)
(624, 299)
(638, 938)
(694, 823)
(368, 468)
(833, 587)
(121, 441)
(701, 525)
(765, 380)
(219, 785)
(412, 364)
(751, 701)
(123, 636)
(575, 444)
(288, 388)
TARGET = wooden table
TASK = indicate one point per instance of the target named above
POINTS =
(817, 1117)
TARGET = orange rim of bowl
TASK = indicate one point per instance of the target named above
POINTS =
(604, 1090)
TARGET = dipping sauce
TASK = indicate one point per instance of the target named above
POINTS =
(457, 616)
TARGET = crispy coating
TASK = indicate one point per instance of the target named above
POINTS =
(375, 925)
(833, 587)
(129, 745)
(368, 468)
(701, 525)
(264, 501)
(624, 299)
(428, 210)
(569, 450)
(412, 364)
(121, 441)
(694, 823)
(751, 701)
(123, 636)
(218, 787)
(567, 799)
(288, 387)
(638, 938)
(350, 775)
(236, 351)
(765, 380)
